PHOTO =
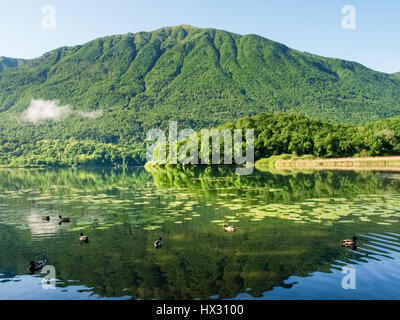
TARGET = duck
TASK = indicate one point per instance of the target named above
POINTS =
(84, 238)
(36, 265)
(229, 228)
(46, 218)
(64, 219)
(158, 243)
(350, 242)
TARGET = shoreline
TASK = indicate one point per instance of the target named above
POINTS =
(391, 163)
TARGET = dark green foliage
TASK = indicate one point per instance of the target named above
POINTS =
(278, 133)
(292, 135)
(66, 153)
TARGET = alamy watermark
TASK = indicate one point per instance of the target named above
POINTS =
(183, 147)
(349, 280)
(349, 20)
(49, 280)
(49, 17)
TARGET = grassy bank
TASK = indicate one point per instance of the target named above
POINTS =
(369, 163)
(269, 164)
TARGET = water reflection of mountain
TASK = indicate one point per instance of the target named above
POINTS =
(287, 186)
(193, 264)
(53, 179)
(199, 259)
(375, 263)
(294, 185)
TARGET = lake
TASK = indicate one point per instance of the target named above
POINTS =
(287, 243)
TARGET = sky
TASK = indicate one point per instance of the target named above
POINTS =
(314, 26)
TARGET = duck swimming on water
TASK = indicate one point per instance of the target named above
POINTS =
(350, 242)
(36, 265)
(158, 243)
(46, 218)
(63, 219)
(84, 238)
(229, 228)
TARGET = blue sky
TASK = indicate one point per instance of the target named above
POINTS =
(308, 25)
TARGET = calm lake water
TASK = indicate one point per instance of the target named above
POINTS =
(287, 243)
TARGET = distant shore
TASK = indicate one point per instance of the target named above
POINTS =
(370, 163)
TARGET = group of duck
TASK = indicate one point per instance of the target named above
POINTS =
(62, 219)
(82, 238)
(158, 243)
(345, 243)
(37, 265)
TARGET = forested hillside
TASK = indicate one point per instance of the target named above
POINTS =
(275, 134)
(295, 135)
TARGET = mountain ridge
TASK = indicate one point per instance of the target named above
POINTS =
(188, 26)
(199, 77)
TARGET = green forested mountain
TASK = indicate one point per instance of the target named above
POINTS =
(199, 77)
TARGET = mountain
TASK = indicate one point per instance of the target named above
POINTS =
(113, 89)
(6, 63)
